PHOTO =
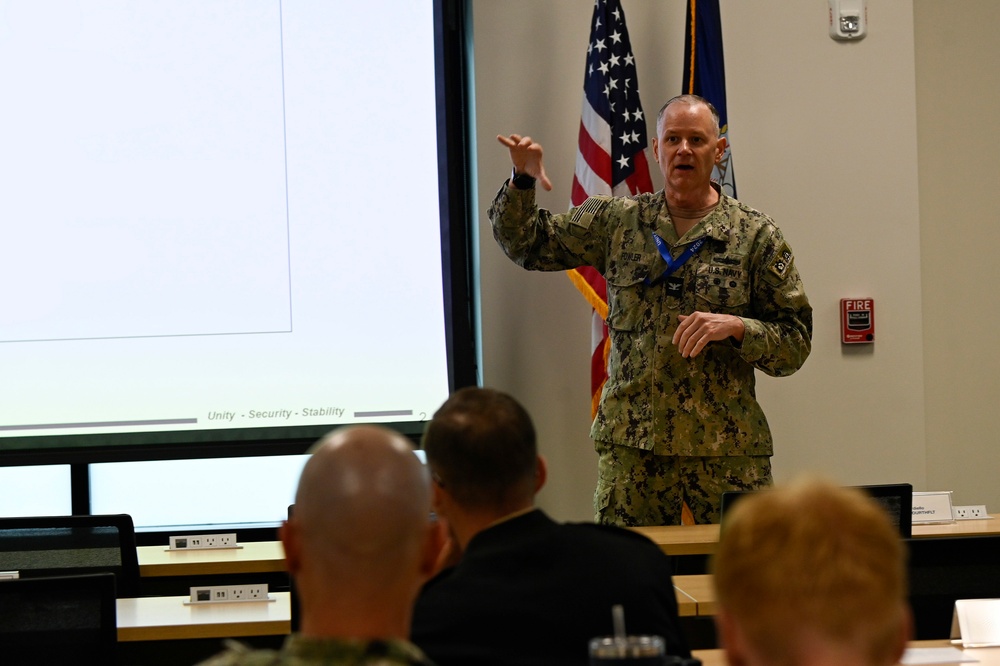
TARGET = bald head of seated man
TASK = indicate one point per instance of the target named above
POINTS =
(811, 574)
(359, 544)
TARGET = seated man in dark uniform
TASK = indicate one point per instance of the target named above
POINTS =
(525, 589)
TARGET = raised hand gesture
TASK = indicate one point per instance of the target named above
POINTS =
(526, 156)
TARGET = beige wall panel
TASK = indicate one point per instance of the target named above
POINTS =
(958, 101)
(824, 137)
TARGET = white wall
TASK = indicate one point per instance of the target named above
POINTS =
(958, 101)
(824, 139)
(826, 136)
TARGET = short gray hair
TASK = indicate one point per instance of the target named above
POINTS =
(691, 100)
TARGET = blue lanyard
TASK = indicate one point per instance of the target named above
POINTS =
(672, 264)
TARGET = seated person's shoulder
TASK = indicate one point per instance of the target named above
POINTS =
(439, 578)
(612, 535)
(300, 651)
(240, 654)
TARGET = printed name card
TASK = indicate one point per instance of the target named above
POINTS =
(977, 622)
(932, 507)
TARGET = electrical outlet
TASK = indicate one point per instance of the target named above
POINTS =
(210, 595)
(203, 541)
(202, 595)
(256, 591)
(971, 512)
(231, 593)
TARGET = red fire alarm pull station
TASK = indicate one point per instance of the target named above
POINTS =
(857, 320)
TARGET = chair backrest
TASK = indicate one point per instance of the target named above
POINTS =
(943, 570)
(729, 499)
(58, 620)
(897, 500)
(72, 545)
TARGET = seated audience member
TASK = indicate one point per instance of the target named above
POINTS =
(526, 589)
(811, 574)
(359, 545)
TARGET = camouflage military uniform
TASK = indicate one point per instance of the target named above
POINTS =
(300, 651)
(661, 415)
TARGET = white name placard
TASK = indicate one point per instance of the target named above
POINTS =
(978, 622)
(932, 507)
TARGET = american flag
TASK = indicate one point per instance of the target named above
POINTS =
(612, 153)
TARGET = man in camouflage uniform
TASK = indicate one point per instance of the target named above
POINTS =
(359, 545)
(702, 289)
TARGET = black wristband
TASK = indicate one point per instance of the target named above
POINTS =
(522, 181)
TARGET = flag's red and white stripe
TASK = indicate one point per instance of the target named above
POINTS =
(612, 154)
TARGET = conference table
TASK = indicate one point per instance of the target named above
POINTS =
(168, 618)
(159, 618)
(703, 539)
(695, 595)
(269, 556)
(250, 557)
(984, 656)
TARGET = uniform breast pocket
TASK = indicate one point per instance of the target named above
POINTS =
(721, 288)
(626, 303)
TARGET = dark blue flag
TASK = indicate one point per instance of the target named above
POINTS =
(705, 74)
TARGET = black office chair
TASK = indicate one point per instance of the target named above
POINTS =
(943, 570)
(897, 500)
(58, 620)
(72, 545)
